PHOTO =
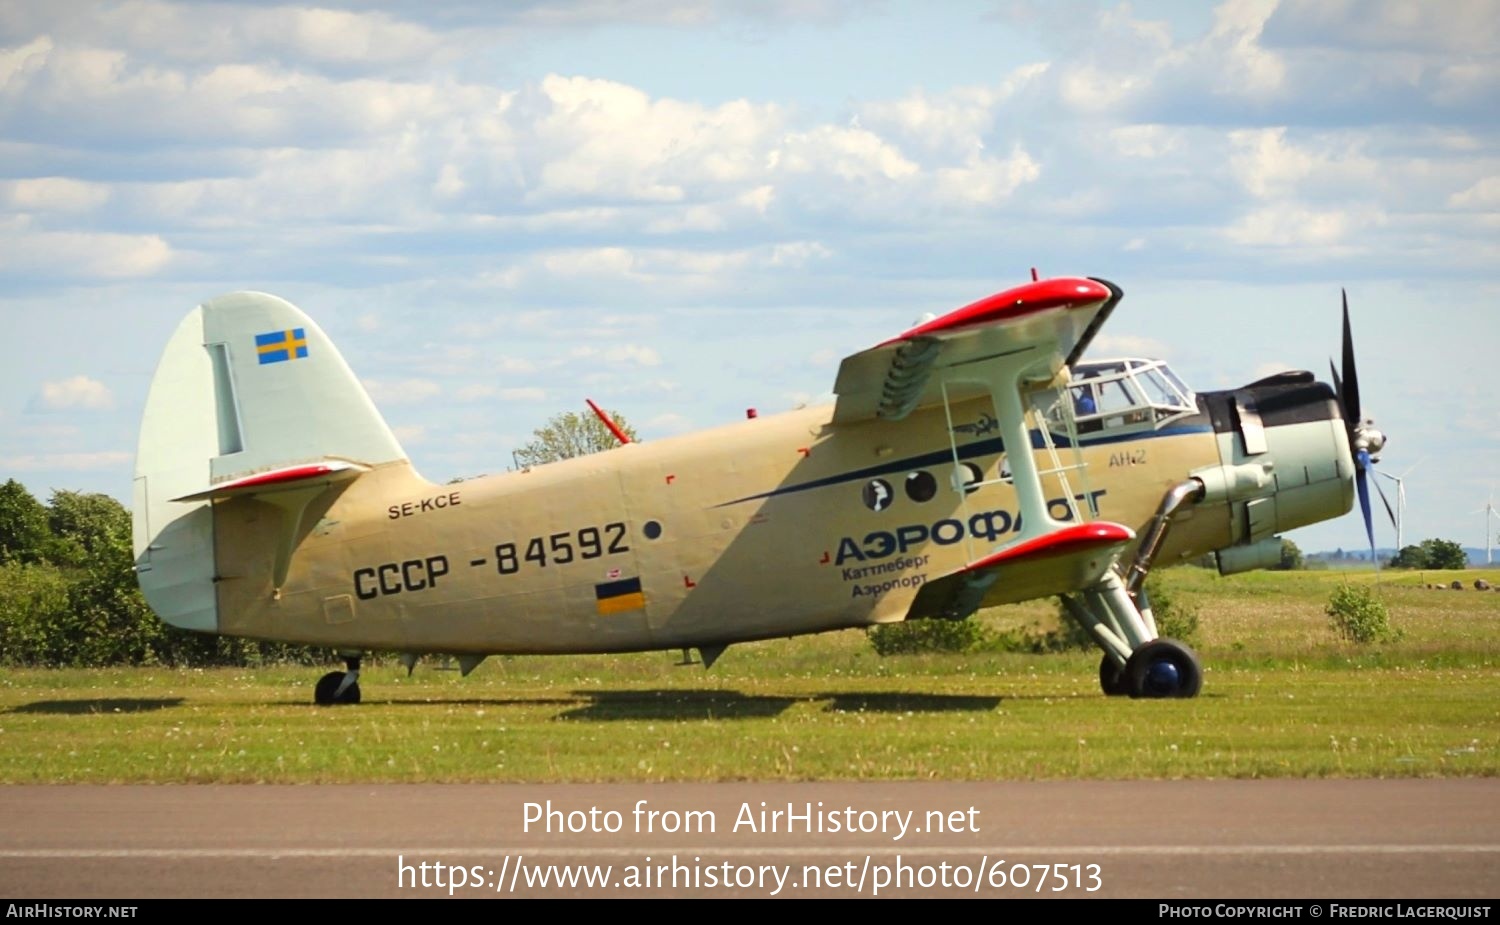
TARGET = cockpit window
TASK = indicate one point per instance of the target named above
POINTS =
(1120, 395)
(1114, 395)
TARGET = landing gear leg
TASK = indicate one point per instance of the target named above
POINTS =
(1117, 613)
(1136, 661)
(339, 687)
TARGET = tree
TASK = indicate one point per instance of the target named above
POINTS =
(1445, 554)
(1433, 554)
(1291, 557)
(1409, 557)
(87, 527)
(23, 524)
(570, 434)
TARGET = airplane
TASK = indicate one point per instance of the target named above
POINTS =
(272, 501)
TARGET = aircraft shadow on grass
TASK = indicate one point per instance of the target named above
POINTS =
(718, 704)
(98, 705)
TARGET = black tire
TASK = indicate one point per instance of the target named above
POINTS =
(1112, 678)
(1163, 668)
(327, 690)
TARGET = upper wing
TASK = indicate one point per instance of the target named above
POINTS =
(892, 379)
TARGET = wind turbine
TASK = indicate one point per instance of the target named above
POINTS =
(1489, 511)
(1399, 517)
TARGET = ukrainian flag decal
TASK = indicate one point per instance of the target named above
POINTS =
(619, 596)
(280, 346)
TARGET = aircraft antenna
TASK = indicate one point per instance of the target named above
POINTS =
(609, 422)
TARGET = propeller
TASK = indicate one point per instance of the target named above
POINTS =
(1364, 440)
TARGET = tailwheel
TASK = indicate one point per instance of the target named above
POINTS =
(1112, 677)
(1163, 668)
(339, 687)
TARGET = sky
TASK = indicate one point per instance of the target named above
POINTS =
(686, 208)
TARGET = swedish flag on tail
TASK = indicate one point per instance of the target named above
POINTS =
(281, 346)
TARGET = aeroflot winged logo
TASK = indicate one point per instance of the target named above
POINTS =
(279, 346)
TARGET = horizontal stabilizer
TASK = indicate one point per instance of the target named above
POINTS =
(1065, 560)
(283, 479)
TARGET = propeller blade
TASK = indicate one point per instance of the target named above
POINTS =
(1381, 491)
(1349, 390)
(1338, 387)
(1361, 480)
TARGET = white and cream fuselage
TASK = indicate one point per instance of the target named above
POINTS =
(259, 515)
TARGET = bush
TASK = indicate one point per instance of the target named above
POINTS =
(916, 636)
(1175, 619)
(1357, 615)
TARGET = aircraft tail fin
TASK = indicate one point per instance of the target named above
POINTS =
(250, 396)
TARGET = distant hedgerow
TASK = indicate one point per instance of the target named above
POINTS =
(912, 637)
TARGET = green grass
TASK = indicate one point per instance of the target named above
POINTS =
(1283, 697)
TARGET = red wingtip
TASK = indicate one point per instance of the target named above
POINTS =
(1064, 292)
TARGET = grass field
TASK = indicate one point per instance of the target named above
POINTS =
(1283, 697)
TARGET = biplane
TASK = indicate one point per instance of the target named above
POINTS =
(973, 460)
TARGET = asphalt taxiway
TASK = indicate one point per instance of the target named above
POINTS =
(1155, 839)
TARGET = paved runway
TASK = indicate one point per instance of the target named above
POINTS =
(1154, 839)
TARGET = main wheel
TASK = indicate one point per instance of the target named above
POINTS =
(1112, 678)
(1163, 668)
(327, 692)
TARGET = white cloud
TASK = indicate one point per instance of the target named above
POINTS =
(62, 254)
(848, 154)
(669, 423)
(75, 393)
(401, 392)
(1266, 164)
(603, 138)
(1269, 166)
(199, 33)
(619, 354)
(1270, 368)
(54, 194)
(1453, 26)
(986, 181)
(70, 462)
(410, 434)
(61, 93)
(1092, 90)
(1482, 195)
(1147, 141)
(483, 392)
(1245, 66)
(1108, 344)
(950, 124)
(1293, 225)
